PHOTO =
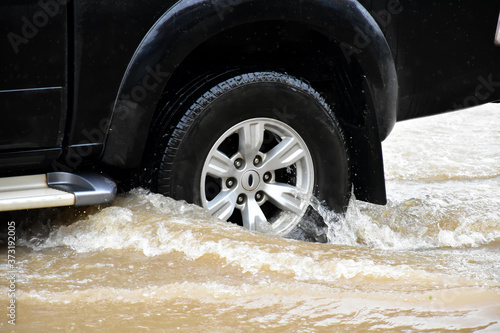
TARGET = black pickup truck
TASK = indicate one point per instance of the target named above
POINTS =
(248, 108)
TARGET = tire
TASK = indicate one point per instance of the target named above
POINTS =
(254, 150)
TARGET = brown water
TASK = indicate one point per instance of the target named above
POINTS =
(429, 261)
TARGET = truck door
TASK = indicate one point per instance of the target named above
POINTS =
(33, 82)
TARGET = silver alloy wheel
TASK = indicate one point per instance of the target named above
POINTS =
(267, 177)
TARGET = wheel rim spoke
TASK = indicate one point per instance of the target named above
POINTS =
(219, 165)
(251, 137)
(223, 205)
(286, 153)
(252, 215)
(285, 197)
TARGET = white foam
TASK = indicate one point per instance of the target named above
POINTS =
(163, 231)
(419, 223)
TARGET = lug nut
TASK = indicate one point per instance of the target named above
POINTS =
(230, 182)
(259, 196)
(238, 163)
(267, 177)
(241, 199)
(257, 160)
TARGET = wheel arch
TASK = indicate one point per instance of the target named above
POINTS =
(164, 49)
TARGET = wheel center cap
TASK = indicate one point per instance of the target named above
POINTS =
(250, 180)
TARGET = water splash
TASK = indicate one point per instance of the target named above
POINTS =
(444, 218)
(443, 185)
(426, 261)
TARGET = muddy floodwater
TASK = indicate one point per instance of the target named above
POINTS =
(428, 261)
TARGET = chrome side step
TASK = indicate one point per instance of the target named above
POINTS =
(55, 189)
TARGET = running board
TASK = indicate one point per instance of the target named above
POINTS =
(55, 189)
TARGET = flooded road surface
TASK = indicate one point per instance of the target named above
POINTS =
(429, 261)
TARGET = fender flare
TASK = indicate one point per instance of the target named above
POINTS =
(195, 21)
